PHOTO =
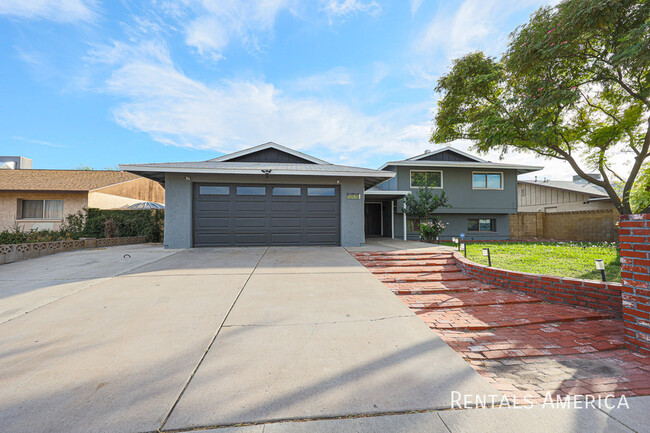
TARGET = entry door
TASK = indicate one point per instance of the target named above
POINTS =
(373, 219)
(245, 214)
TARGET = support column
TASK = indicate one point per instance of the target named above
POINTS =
(404, 219)
(392, 219)
(634, 239)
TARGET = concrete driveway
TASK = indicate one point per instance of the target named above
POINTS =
(171, 340)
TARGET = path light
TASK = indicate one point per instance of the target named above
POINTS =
(463, 247)
(454, 240)
(600, 265)
(486, 253)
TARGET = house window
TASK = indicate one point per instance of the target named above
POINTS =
(282, 190)
(431, 179)
(487, 180)
(321, 192)
(251, 190)
(42, 209)
(412, 225)
(481, 225)
(214, 190)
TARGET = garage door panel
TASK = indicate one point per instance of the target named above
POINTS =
(320, 206)
(322, 239)
(216, 206)
(292, 222)
(214, 222)
(208, 239)
(255, 222)
(286, 239)
(321, 222)
(250, 206)
(250, 238)
(286, 206)
(285, 218)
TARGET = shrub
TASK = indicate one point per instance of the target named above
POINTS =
(94, 223)
(432, 229)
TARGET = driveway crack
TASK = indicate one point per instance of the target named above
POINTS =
(214, 337)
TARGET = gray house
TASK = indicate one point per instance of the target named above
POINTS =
(272, 195)
(482, 195)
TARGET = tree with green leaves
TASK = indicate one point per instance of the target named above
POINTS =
(573, 84)
(423, 205)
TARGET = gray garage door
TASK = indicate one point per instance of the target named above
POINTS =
(236, 214)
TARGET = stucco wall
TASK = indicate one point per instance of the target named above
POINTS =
(100, 200)
(178, 203)
(72, 203)
(138, 189)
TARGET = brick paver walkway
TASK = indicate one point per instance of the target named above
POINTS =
(523, 346)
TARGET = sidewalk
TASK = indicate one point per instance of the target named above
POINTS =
(538, 419)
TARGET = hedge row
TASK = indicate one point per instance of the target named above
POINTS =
(95, 223)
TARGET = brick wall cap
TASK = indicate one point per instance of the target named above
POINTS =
(635, 217)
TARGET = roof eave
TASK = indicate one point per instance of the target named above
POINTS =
(521, 169)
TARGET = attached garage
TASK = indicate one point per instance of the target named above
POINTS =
(265, 195)
(244, 214)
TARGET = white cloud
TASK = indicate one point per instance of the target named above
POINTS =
(62, 11)
(415, 6)
(338, 76)
(211, 25)
(345, 8)
(159, 99)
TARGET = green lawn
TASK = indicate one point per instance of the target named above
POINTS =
(561, 259)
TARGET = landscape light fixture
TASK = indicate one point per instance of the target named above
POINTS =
(486, 253)
(454, 240)
(600, 265)
(463, 247)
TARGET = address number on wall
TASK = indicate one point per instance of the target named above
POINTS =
(353, 196)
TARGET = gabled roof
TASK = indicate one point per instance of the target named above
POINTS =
(269, 145)
(446, 149)
(157, 171)
(475, 162)
(61, 180)
(567, 185)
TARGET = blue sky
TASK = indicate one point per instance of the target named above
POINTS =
(98, 83)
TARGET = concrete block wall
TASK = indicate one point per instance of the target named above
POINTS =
(586, 226)
(634, 237)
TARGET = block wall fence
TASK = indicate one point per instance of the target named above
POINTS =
(634, 237)
(585, 226)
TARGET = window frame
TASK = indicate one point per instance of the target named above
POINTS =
(500, 173)
(425, 171)
(21, 217)
(331, 189)
(493, 224)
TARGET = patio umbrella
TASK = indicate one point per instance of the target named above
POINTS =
(146, 205)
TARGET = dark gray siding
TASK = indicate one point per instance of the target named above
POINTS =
(270, 155)
(227, 220)
(447, 155)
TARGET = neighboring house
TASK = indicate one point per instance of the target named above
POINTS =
(562, 196)
(272, 195)
(482, 195)
(41, 199)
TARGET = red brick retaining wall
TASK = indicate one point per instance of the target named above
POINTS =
(572, 291)
(634, 237)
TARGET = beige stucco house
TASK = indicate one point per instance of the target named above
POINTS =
(41, 199)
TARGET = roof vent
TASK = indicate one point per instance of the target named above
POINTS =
(427, 151)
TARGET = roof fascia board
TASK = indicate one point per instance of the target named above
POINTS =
(442, 164)
(269, 145)
(136, 169)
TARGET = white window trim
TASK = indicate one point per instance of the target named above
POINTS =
(442, 181)
(486, 188)
(42, 219)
